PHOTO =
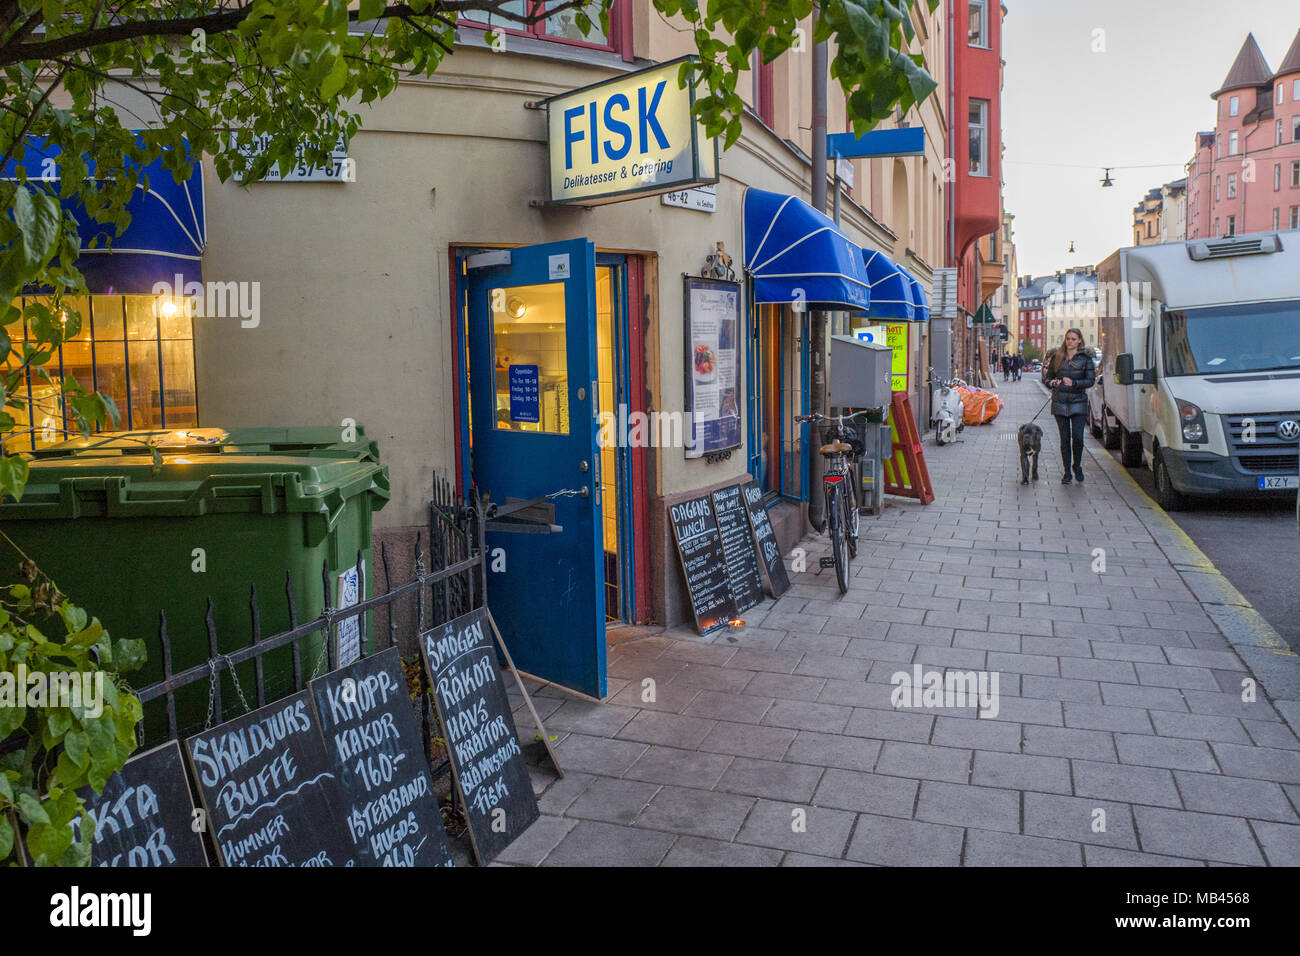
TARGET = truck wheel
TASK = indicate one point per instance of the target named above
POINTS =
(1130, 448)
(1167, 496)
(1109, 436)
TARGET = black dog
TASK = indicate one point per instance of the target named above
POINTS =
(1030, 437)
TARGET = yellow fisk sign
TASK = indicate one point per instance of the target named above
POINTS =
(628, 137)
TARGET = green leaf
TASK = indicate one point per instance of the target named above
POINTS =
(13, 476)
(6, 836)
(31, 810)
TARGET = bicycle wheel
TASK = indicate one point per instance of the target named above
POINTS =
(839, 543)
(851, 520)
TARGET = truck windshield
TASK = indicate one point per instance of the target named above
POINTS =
(1258, 337)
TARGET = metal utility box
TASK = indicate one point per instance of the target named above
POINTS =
(861, 373)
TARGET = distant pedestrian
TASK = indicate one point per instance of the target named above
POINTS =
(1069, 372)
(1006, 368)
(1017, 364)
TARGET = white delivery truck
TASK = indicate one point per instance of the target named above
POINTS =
(1201, 364)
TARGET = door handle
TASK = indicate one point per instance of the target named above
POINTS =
(583, 466)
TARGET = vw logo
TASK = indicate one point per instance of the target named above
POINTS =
(1288, 430)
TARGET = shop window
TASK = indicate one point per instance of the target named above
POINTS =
(136, 349)
(778, 459)
(560, 27)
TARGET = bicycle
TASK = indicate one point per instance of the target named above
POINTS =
(841, 496)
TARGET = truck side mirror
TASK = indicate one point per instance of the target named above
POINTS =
(1124, 368)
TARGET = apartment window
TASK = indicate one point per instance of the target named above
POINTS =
(1232, 225)
(1233, 105)
(764, 98)
(1295, 217)
(1279, 94)
(979, 119)
(1277, 176)
(1295, 91)
(1216, 192)
(560, 27)
(1232, 143)
(1295, 175)
(1279, 133)
(1277, 217)
(1295, 129)
(979, 23)
(1232, 185)
(1216, 225)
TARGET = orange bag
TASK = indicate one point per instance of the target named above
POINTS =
(978, 406)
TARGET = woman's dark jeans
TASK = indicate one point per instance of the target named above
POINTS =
(1071, 428)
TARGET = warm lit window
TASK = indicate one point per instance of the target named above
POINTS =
(138, 353)
(979, 118)
(979, 23)
(1233, 105)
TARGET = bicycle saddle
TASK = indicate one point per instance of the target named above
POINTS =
(837, 448)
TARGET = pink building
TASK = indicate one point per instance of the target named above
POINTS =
(1245, 173)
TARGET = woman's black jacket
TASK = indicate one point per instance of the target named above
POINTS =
(1082, 372)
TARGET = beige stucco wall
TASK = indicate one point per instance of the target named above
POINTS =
(354, 277)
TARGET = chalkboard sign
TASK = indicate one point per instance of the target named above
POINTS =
(271, 794)
(700, 545)
(486, 760)
(738, 546)
(145, 816)
(375, 745)
(777, 580)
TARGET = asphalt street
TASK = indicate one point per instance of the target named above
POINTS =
(1254, 542)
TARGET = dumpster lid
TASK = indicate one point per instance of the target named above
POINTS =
(300, 442)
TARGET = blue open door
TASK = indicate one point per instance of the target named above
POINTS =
(534, 428)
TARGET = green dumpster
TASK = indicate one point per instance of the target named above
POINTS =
(225, 512)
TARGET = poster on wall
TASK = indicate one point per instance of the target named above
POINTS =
(896, 337)
(713, 342)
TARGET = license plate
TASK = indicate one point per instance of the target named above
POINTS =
(1288, 481)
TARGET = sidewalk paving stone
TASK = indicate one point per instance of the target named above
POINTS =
(1120, 700)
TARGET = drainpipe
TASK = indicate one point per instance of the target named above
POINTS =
(817, 332)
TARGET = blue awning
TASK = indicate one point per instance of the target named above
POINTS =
(793, 253)
(920, 301)
(165, 239)
(891, 289)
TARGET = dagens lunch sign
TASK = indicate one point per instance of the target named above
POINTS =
(628, 137)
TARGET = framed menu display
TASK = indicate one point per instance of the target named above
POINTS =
(713, 339)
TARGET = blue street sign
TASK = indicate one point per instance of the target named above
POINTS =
(909, 141)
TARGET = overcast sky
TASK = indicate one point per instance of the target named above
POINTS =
(1138, 103)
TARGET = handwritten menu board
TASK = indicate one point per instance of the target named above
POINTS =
(270, 790)
(778, 581)
(703, 560)
(145, 816)
(482, 743)
(375, 745)
(738, 546)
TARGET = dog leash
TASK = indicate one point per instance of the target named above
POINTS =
(1040, 410)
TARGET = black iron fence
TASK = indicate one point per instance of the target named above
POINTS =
(446, 580)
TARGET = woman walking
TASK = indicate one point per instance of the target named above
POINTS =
(1070, 371)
